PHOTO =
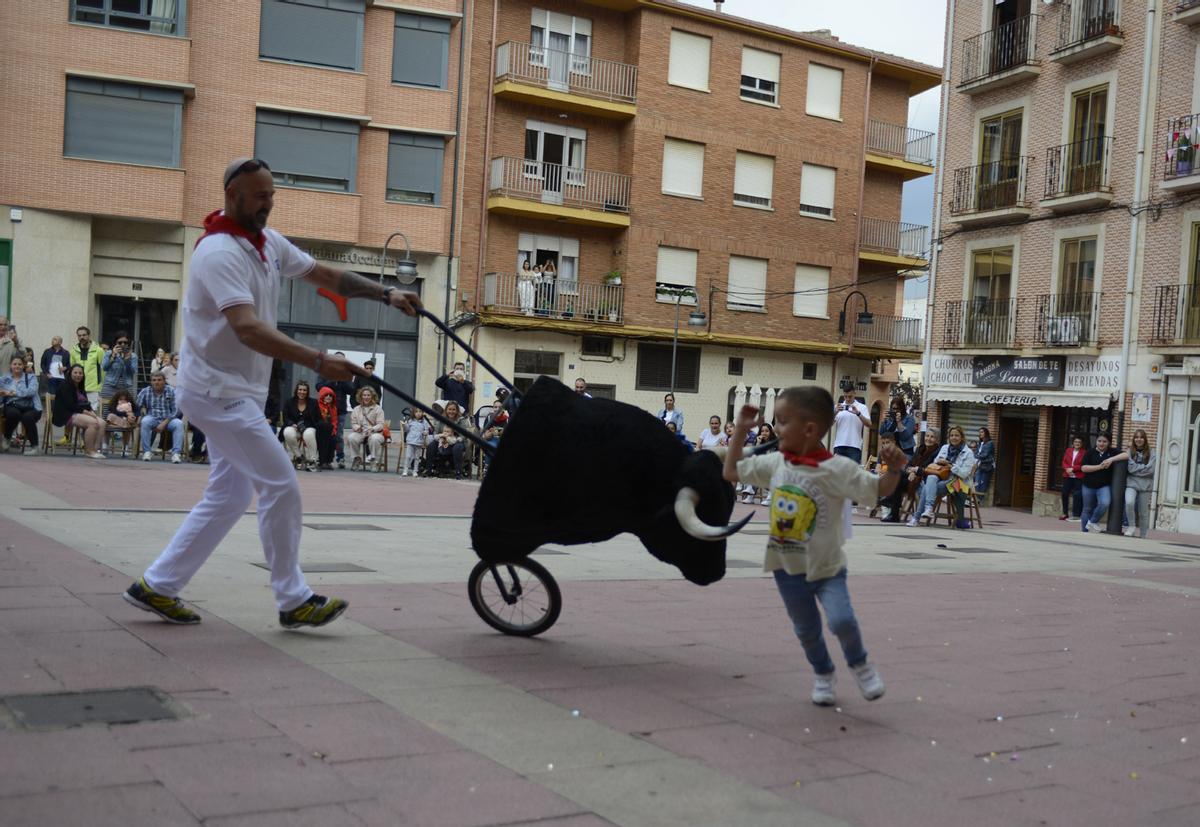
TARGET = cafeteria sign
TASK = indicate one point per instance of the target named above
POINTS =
(1044, 372)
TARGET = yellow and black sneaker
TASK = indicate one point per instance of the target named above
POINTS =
(170, 609)
(316, 611)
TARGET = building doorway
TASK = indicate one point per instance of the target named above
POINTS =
(150, 322)
(1016, 457)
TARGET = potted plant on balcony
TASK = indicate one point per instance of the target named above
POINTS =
(612, 277)
(1184, 152)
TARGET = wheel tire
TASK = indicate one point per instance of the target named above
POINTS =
(481, 576)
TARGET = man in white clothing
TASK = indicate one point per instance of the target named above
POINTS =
(851, 416)
(230, 340)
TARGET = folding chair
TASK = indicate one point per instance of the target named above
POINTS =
(73, 435)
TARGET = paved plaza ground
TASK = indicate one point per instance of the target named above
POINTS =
(1036, 675)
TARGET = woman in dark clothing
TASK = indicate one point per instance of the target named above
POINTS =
(299, 432)
(327, 427)
(985, 454)
(899, 422)
(1097, 477)
(913, 475)
(72, 409)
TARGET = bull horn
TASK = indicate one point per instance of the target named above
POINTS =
(685, 512)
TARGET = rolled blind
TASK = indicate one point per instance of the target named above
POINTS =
(683, 167)
(122, 122)
(415, 167)
(759, 64)
(824, 91)
(811, 297)
(308, 146)
(323, 32)
(747, 281)
(421, 50)
(753, 177)
(688, 62)
(817, 188)
(677, 266)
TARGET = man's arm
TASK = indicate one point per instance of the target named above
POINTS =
(255, 334)
(352, 285)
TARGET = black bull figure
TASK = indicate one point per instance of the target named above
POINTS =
(573, 470)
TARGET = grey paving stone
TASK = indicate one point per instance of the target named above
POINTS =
(115, 806)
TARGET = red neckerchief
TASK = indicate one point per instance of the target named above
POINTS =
(811, 459)
(217, 222)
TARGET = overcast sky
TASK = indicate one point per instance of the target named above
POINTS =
(909, 28)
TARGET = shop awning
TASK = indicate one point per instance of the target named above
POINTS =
(1015, 396)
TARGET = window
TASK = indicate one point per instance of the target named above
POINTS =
(1077, 276)
(421, 50)
(596, 346)
(747, 283)
(122, 122)
(818, 186)
(753, 180)
(676, 270)
(824, 92)
(602, 391)
(156, 16)
(561, 44)
(811, 297)
(1086, 167)
(307, 151)
(991, 274)
(654, 368)
(320, 32)
(1000, 160)
(528, 365)
(760, 76)
(809, 372)
(688, 63)
(736, 365)
(414, 173)
(564, 254)
(683, 168)
(555, 154)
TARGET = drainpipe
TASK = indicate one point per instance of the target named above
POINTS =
(862, 186)
(939, 191)
(443, 343)
(487, 167)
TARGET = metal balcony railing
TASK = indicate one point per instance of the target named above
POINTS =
(996, 185)
(1184, 5)
(982, 323)
(1176, 319)
(1079, 167)
(567, 72)
(1084, 20)
(1004, 47)
(1182, 135)
(1068, 320)
(900, 332)
(894, 237)
(559, 298)
(547, 183)
(912, 145)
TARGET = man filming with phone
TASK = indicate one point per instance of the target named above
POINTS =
(850, 417)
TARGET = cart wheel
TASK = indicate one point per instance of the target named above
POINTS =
(519, 598)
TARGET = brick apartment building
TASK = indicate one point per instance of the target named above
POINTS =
(1062, 282)
(122, 116)
(671, 161)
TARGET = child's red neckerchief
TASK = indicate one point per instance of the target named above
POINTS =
(812, 458)
(217, 222)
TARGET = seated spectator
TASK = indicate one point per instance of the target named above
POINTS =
(455, 449)
(367, 425)
(161, 360)
(160, 415)
(913, 475)
(122, 416)
(22, 404)
(171, 368)
(119, 366)
(750, 494)
(417, 432)
(883, 506)
(682, 437)
(73, 410)
(494, 426)
(712, 437)
(957, 463)
(299, 432)
(328, 412)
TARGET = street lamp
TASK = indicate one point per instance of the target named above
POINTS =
(696, 318)
(406, 273)
(865, 317)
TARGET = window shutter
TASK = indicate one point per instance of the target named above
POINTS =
(688, 62)
(812, 286)
(306, 146)
(414, 172)
(683, 167)
(747, 281)
(122, 122)
(677, 267)
(654, 368)
(322, 32)
(824, 91)
(753, 178)
(759, 64)
(421, 50)
(817, 189)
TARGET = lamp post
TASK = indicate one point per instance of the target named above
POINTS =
(406, 273)
(696, 318)
(865, 317)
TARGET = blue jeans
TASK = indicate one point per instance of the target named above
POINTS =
(846, 451)
(1095, 504)
(983, 479)
(800, 596)
(174, 428)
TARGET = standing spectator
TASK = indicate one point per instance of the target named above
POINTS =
(902, 425)
(850, 417)
(299, 432)
(120, 367)
(581, 388)
(957, 457)
(416, 435)
(328, 413)
(1097, 477)
(1139, 483)
(549, 286)
(668, 413)
(344, 393)
(73, 410)
(55, 360)
(22, 404)
(171, 368)
(455, 386)
(713, 436)
(370, 380)
(1072, 468)
(161, 359)
(366, 426)
(91, 357)
(160, 415)
(985, 455)
(10, 344)
(525, 288)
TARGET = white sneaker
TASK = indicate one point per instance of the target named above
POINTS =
(912, 521)
(822, 691)
(869, 682)
(1094, 527)
(885, 513)
(1072, 519)
(146, 456)
(746, 498)
(175, 458)
(31, 452)
(927, 514)
(3, 444)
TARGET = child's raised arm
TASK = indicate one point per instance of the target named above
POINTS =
(747, 418)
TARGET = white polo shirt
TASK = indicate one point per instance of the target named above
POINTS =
(227, 271)
(848, 428)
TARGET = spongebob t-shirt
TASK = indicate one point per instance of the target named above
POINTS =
(807, 510)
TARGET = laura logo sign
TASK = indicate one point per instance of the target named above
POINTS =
(1016, 372)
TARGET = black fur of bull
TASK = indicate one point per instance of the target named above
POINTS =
(572, 470)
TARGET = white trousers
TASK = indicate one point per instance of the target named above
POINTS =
(292, 438)
(247, 459)
(412, 456)
(354, 445)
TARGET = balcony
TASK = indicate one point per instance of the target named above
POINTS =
(1176, 320)
(893, 242)
(540, 190)
(899, 150)
(1077, 175)
(1068, 320)
(1188, 11)
(563, 80)
(564, 300)
(1181, 172)
(1000, 57)
(982, 323)
(891, 332)
(991, 193)
(1087, 28)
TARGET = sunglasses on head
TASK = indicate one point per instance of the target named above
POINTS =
(253, 165)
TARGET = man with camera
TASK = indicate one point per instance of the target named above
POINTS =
(455, 386)
(850, 417)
